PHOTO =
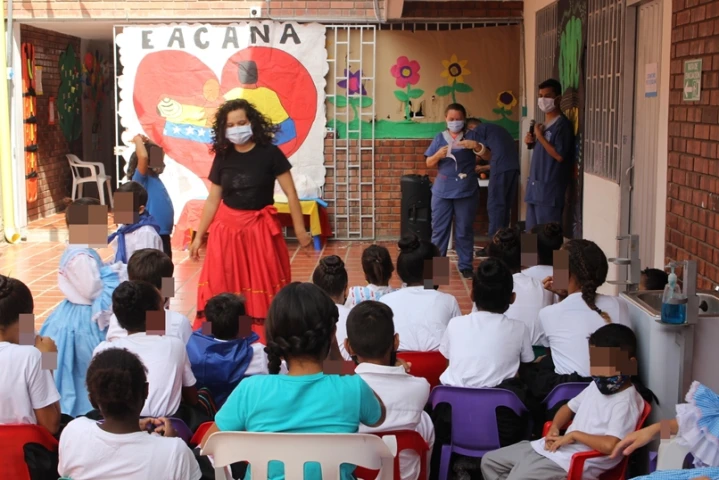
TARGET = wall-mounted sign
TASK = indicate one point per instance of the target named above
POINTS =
(650, 80)
(692, 80)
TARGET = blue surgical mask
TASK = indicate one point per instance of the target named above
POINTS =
(455, 126)
(611, 385)
(239, 135)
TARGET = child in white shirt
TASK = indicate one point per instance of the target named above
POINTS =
(377, 266)
(331, 276)
(153, 266)
(122, 447)
(371, 341)
(169, 372)
(550, 238)
(421, 313)
(604, 413)
(27, 390)
(142, 232)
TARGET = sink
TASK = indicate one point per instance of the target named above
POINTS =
(652, 302)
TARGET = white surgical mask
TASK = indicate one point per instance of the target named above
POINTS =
(546, 104)
(239, 135)
(455, 126)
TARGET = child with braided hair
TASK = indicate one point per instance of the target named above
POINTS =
(300, 329)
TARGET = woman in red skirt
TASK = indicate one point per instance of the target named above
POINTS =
(246, 251)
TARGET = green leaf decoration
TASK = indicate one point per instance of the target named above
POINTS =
(415, 93)
(570, 48)
(463, 88)
(366, 102)
(69, 95)
(401, 96)
(443, 91)
(340, 101)
(499, 111)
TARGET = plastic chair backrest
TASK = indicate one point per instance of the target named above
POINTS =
(296, 449)
(564, 391)
(406, 440)
(200, 434)
(474, 415)
(12, 440)
(428, 365)
(671, 455)
(76, 165)
(181, 428)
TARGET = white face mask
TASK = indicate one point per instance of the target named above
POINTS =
(239, 135)
(546, 104)
(455, 126)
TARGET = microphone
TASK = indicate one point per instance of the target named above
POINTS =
(531, 132)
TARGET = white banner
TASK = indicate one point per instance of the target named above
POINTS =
(174, 77)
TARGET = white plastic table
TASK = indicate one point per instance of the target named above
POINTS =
(482, 184)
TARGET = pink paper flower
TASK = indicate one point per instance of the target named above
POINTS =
(406, 72)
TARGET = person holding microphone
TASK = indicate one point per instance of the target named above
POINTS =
(549, 173)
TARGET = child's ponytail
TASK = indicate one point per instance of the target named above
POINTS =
(589, 266)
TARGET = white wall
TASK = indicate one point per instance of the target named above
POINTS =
(601, 220)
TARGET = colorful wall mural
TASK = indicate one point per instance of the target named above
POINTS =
(478, 68)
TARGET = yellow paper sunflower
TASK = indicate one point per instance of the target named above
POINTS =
(455, 70)
(506, 100)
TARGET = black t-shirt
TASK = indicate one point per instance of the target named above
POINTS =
(248, 179)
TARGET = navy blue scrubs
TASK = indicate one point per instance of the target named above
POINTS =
(548, 178)
(504, 178)
(455, 195)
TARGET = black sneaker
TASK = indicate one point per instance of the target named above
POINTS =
(466, 273)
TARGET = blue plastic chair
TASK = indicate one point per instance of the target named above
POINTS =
(474, 420)
(563, 392)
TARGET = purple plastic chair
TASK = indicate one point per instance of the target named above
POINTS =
(181, 429)
(563, 391)
(474, 420)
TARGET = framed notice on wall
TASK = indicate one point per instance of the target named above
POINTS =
(51, 111)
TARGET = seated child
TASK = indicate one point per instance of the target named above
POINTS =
(569, 323)
(653, 279)
(550, 238)
(143, 233)
(378, 268)
(371, 341)
(168, 368)
(145, 167)
(151, 266)
(530, 294)
(122, 447)
(300, 328)
(87, 284)
(331, 276)
(421, 314)
(605, 412)
(696, 429)
(221, 360)
(27, 391)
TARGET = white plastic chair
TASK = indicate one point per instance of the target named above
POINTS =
(296, 449)
(97, 175)
(671, 455)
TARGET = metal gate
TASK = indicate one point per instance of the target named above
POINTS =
(350, 152)
(605, 66)
(546, 49)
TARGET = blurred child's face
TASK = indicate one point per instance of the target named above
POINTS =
(610, 362)
(87, 225)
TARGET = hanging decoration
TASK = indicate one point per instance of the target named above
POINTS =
(68, 101)
(29, 121)
(95, 79)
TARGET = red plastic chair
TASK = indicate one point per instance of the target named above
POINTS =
(200, 434)
(12, 440)
(428, 365)
(577, 466)
(406, 440)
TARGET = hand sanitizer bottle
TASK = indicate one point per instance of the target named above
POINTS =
(674, 303)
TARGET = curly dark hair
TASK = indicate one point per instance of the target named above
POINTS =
(263, 131)
(300, 323)
(331, 276)
(589, 266)
(550, 238)
(15, 300)
(377, 265)
(116, 381)
(414, 253)
(131, 302)
(507, 246)
(492, 286)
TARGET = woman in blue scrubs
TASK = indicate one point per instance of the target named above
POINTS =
(455, 193)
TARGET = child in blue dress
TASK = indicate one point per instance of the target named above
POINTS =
(378, 268)
(87, 284)
(300, 329)
(696, 427)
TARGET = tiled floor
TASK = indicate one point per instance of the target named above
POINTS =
(36, 261)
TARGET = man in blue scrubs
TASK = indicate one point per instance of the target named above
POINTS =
(552, 159)
(502, 153)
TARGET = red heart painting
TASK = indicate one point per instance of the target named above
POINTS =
(176, 95)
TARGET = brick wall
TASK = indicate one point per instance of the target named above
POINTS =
(54, 180)
(462, 9)
(393, 158)
(693, 177)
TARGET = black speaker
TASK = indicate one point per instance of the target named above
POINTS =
(416, 206)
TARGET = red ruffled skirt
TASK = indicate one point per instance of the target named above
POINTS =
(246, 255)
